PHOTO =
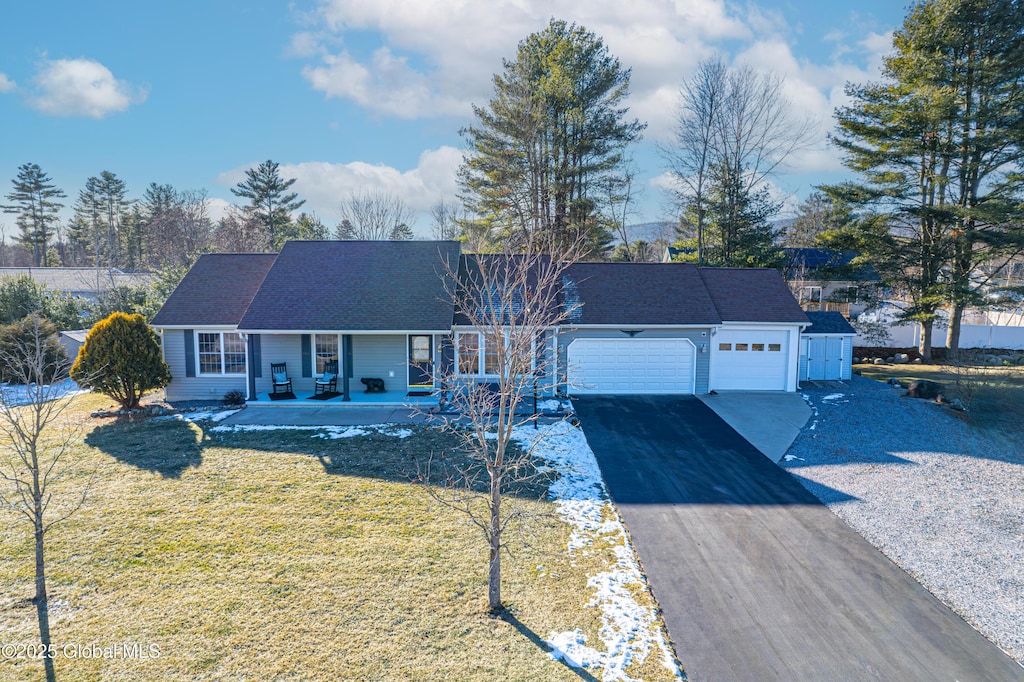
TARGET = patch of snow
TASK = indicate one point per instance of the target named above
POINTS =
(834, 396)
(571, 647)
(14, 396)
(208, 415)
(791, 458)
(343, 432)
(628, 630)
(553, 405)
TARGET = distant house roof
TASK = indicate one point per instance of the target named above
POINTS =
(216, 291)
(826, 264)
(828, 323)
(751, 295)
(356, 286)
(80, 281)
(638, 294)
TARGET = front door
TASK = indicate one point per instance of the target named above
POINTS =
(421, 362)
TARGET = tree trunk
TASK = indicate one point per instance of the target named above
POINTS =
(924, 346)
(42, 605)
(953, 333)
(494, 568)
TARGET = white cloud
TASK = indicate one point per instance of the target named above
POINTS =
(217, 208)
(81, 87)
(436, 57)
(325, 185)
(6, 84)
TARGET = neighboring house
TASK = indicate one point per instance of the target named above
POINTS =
(72, 341)
(825, 279)
(85, 283)
(384, 310)
(826, 348)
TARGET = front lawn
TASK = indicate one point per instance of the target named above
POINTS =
(286, 554)
(997, 403)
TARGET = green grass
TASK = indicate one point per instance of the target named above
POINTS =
(277, 555)
(997, 404)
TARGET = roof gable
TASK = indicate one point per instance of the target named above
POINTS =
(356, 286)
(751, 295)
(216, 291)
(638, 294)
(828, 322)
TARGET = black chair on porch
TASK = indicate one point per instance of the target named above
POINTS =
(279, 376)
(328, 381)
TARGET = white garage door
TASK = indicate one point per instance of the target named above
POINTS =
(749, 360)
(621, 366)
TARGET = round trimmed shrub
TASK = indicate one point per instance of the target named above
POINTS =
(121, 358)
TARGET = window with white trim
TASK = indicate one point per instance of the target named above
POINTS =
(325, 349)
(477, 354)
(220, 353)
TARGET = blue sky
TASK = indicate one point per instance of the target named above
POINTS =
(350, 95)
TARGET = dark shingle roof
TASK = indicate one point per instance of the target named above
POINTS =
(827, 265)
(638, 294)
(356, 286)
(751, 295)
(216, 291)
(483, 279)
(828, 323)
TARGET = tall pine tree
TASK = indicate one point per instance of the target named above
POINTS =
(34, 201)
(555, 126)
(270, 201)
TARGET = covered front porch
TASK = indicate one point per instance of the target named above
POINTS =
(321, 369)
(357, 398)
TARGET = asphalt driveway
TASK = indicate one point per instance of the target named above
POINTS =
(756, 578)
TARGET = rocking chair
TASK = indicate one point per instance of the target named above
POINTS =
(279, 376)
(328, 381)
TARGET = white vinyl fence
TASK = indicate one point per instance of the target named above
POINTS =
(971, 336)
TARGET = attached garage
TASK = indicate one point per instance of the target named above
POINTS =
(826, 348)
(631, 366)
(751, 359)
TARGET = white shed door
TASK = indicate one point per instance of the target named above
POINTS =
(825, 358)
(623, 366)
(749, 360)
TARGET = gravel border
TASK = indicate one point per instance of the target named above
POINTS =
(937, 496)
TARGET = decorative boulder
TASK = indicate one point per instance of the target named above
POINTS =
(901, 358)
(879, 361)
(922, 388)
(917, 361)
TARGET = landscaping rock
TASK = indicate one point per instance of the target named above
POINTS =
(922, 388)
(878, 361)
(917, 361)
(901, 358)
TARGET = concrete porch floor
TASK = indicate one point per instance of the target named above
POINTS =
(359, 399)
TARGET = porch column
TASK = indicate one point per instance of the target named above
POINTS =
(253, 367)
(346, 365)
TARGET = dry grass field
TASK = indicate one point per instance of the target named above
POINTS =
(279, 555)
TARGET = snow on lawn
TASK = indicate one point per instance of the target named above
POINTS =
(23, 395)
(629, 631)
(208, 415)
(331, 432)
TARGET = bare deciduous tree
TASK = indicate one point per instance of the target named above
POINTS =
(374, 215)
(506, 305)
(33, 463)
(733, 121)
(449, 217)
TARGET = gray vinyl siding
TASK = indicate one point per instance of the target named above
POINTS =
(697, 336)
(193, 388)
(381, 357)
(276, 348)
(846, 368)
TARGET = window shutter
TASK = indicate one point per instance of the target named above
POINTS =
(307, 356)
(190, 353)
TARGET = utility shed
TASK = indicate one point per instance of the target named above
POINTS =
(826, 348)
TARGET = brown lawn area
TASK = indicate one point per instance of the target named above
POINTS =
(278, 555)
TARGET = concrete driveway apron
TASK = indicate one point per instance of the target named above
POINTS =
(757, 579)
